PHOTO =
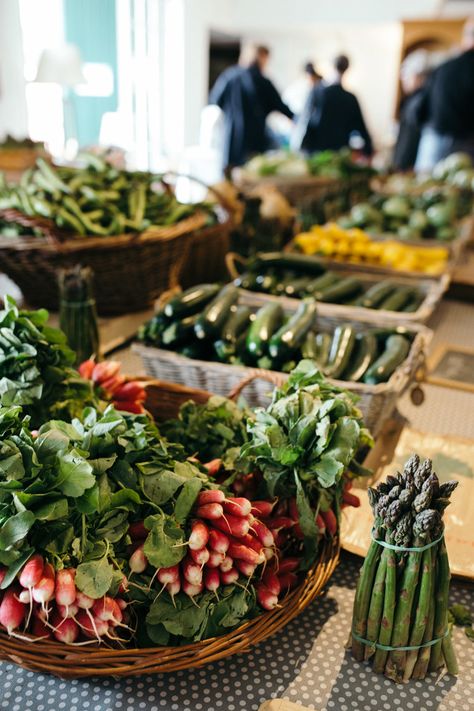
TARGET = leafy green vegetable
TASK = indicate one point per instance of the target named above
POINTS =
(208, 430)
(164, 544)
(95, 577)
(461, 615)
(304, 441)
(36, 367)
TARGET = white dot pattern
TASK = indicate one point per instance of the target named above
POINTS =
(305, 663)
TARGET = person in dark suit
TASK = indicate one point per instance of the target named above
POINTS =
(246, 97)
(332, 117)
(413, 75)
(447, 109)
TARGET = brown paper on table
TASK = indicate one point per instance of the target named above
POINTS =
(453, 458)
(281, 705)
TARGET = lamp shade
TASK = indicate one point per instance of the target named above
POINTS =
(61, 65)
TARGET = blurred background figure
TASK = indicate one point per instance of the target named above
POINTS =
(332, 117)
(413, 74)
(447, 107)
(246, 97)
(296, 95)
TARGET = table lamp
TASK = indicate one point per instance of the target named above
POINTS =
(62, 65)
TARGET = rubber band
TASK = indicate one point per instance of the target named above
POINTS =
(402, 549)
(388, 648)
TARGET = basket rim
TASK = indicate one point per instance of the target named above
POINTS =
(75, 662)
(434, 289)
(164, 234)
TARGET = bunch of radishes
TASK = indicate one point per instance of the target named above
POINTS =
(125, 395)
(47, 603)
(228, 541)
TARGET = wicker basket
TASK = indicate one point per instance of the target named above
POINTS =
(69, 662)
(377, 402)
(131, 270)
(433, 290)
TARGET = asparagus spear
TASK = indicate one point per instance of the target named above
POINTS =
(421, 666)
(362, 598)
(441, 608)
(386, 623)
(376, 606)
(422, 612)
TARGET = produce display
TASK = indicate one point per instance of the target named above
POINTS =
(96, 200)
(358, 247)
(281, 274)
(329, 164)
(207, 322)
(430, 215)
(456, 169)
(111, 533)
(400, 618)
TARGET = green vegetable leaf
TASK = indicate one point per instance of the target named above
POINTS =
(328, 470)
(52, 510)
(75, 474)
(15, 567)
(461, 615)
(181, 616)
(164, 544)
(95, 577)
(15, 529)
(186, 498)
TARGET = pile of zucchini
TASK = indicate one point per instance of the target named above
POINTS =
(207, 322)
(98, 199)
(299, 276)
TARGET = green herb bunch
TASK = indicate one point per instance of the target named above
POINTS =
(36, 367)
(304, 442)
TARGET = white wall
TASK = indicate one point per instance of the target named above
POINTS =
(12, 84)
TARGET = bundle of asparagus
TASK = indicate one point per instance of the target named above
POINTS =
(400, 617)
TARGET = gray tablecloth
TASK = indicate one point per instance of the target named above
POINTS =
(304, 663)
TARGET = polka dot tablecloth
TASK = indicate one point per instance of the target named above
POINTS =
(305, 663)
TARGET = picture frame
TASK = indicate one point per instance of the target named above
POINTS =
(451, 366)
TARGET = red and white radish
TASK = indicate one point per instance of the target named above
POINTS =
(264, 535)
(44, 590)
(32, 572)
(218, 541)
(211, 496)
(210, 511)
(65, 591)
(234, 525)
(237, 506)
(199, 535)
(138, 561)
(211, 579)
(226, 564)
(266, 599)
(12, 611)
(200, 556)
(230, 576)
(168, 575)
(192, 572)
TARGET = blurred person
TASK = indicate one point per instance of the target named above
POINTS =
(413, 74)
(246, 97)
(296, 95)
(446, 111)
(332, 117)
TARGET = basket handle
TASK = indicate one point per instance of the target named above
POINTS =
(272, 377)
(47, 226)
(231, 259)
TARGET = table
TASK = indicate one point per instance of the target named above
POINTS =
(305, 663)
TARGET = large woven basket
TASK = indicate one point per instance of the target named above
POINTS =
(69, 662)
(432, 288)
(131, 270)
(376, 402)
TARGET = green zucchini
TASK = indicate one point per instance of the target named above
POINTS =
(190, 301)
(396, 350)
(237, 322)
(247, 281)
(317, 286)
(376, 294)
(292, 334)
(296, 287)
(398, 299)
(309, 349)
(197, 349)
(287, 260)
(344, 289)
(323, 344)
(414, 303)
(365, 352)
(267, 320)
(340, 352)
(224, 350)
(179, 332)
(266, 282)
(213, 318)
